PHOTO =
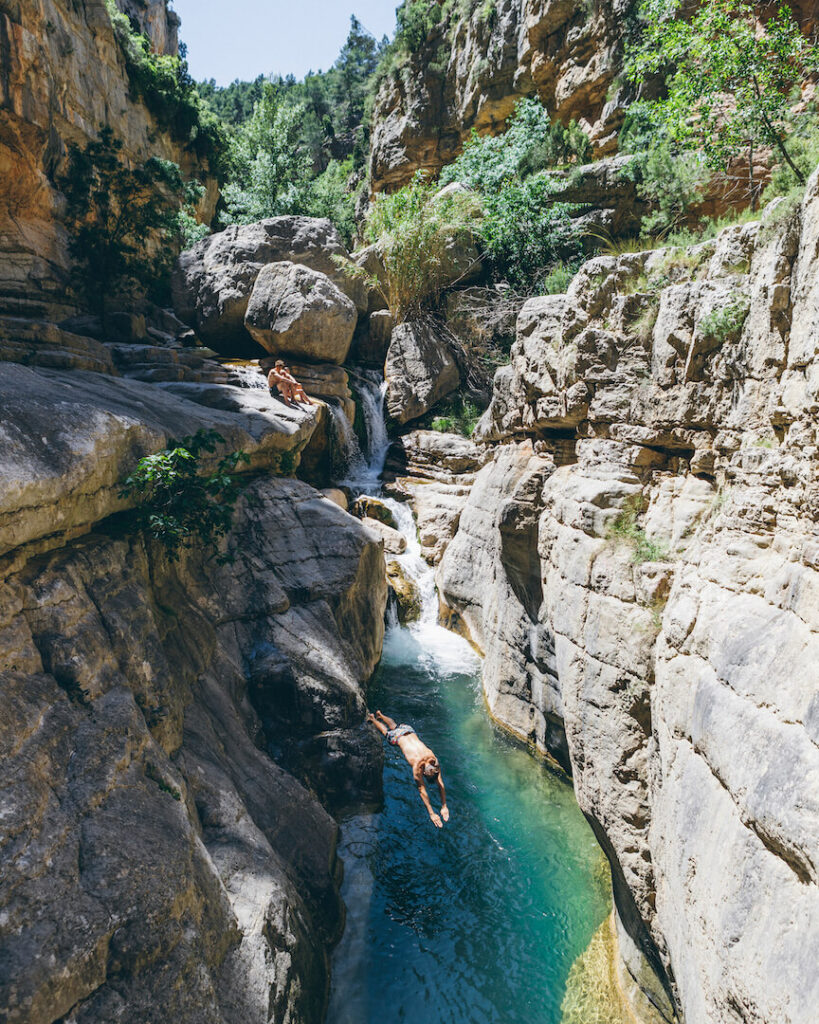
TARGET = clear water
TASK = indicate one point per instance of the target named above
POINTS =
(478, 923)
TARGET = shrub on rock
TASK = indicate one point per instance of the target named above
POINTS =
(300, 312)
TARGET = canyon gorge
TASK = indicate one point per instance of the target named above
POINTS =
(624, 552)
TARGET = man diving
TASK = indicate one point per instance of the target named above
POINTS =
(424, 763)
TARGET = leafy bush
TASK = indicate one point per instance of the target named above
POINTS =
(530, 143)
(125, 223)
(169, 92)
(416, 231)
(725, 322)
(669, 179)
(526, 232)
(178, 504)
(460, 418)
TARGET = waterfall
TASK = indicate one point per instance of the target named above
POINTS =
(347, 448)
(425, 641)
(364, 473)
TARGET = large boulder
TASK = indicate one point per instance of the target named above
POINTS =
(420, 370)
(299, 311)
(213, 281)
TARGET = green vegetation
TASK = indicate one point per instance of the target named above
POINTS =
(299, 147)
(527, 232)
(626, 529)
(167, 89)
(155, 775)
(460, 416)
(731, 79)
(126, 224)
(178, 504)
(417, 231)
(726, 321)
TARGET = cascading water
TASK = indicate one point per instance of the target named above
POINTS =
(364, 473)
(347, 448)
(478, 923)
(246, 374)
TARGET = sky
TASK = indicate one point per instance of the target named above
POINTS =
(246, 38)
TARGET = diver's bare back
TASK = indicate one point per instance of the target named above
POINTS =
(421, 759)
(413, 748)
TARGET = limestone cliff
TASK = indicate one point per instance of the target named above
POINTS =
(62, 78)
(156, 860)
(471, 72)
(639, 564)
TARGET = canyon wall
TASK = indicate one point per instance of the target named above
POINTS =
(638, 562)
(173, 731)
(470, 74)
(62, 78)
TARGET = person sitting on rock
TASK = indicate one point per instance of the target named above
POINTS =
(299, 394)
(424, 763)
(282, 380)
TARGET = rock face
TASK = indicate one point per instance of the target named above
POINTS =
(62, 78)
(470, 75)
(420, 370)
(157, 861)
(639, 564)
(299, 312)
(213, 281)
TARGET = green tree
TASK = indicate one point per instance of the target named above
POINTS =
(355, 65)
(271, 165)
(178, 503)
(123, 222)
(731, 76)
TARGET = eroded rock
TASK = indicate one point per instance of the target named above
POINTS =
(300, 312)
(420, 370)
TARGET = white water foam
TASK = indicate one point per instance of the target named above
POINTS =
(364, 472)
(246, 374)
(425, 640)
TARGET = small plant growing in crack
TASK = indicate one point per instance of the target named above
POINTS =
(626, 529)
(177, 503)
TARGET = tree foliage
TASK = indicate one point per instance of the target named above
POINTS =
(271, 168)
(417, 230)
(164, 84)
(123, 222)
(731, 76)
(177, 503)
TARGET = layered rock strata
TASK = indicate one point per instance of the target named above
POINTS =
(470, 75)
(638, 563)
(62, 78)
(168, 727)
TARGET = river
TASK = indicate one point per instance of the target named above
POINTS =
(478, 923)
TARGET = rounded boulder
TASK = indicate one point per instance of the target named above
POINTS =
(297, 311)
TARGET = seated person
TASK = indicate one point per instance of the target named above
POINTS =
(282, 380)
